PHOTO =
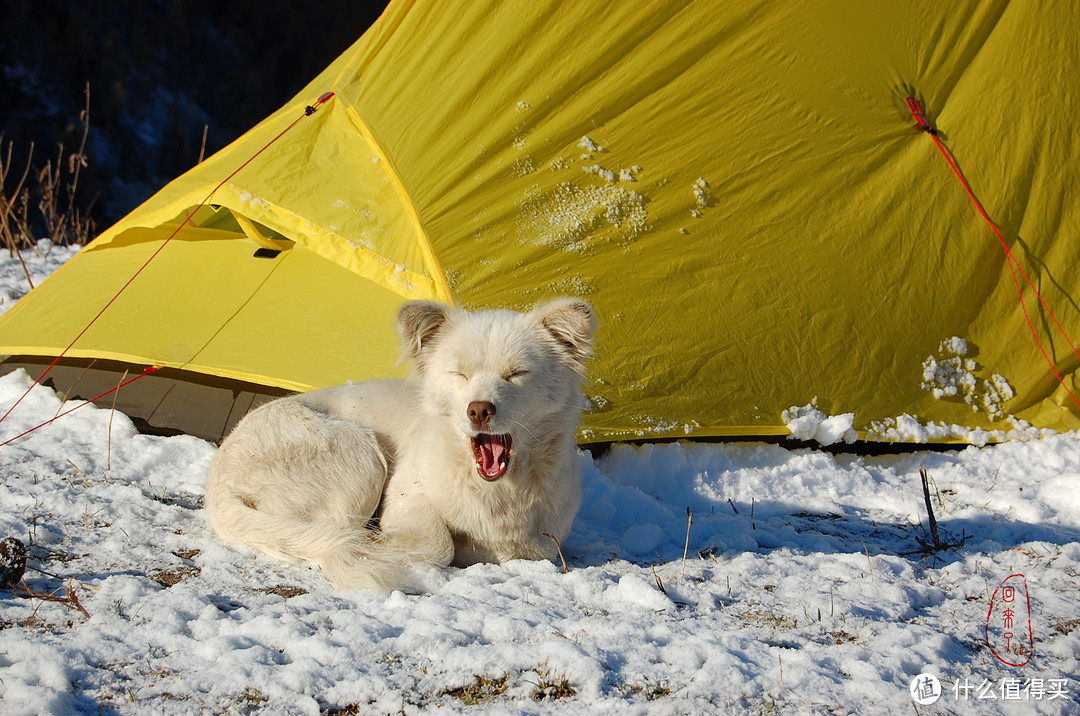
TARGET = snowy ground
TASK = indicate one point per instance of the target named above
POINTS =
(808, 587)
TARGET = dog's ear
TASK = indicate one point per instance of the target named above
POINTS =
(417, 323)
(571, 322)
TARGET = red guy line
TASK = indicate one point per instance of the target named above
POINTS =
(1014, 263)
(110, 391)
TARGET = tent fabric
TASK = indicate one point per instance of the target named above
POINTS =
(738, 189)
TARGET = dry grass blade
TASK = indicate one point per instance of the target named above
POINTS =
(659, 582)
(116, 394)
(485, 689)
(929, 508)
(66, 395)
(686, 547)
(13, 238)
(558, 547)
(80, 473)
(202, 148)
(60, 215)
(70, 600)
(8, 204)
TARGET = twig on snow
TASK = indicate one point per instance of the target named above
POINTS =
(929, 508)
(565, 569)
(686, 547)
(70, 600)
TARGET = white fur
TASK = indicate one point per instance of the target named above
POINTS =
(302, 478)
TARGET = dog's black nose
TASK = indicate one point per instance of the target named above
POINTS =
(480, 414)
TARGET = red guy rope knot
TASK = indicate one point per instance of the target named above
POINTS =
(312, 108)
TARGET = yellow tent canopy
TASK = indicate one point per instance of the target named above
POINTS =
(738, 188)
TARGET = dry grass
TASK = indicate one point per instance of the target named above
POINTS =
(550, 686)
(484, 689)
(45, 197)
(1065, 626)
(172, 577)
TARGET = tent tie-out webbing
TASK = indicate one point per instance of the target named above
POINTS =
(1014, 263)
(308, 111)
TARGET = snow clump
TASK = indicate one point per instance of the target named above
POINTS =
(951, 374)
(589, 145)
(809, 423)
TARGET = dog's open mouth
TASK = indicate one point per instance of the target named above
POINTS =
(492, 455)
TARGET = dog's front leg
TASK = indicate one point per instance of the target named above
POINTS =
(543, 547)
(413, 527)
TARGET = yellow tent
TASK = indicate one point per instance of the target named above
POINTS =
(739, 188)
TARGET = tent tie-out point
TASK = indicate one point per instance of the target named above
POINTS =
(917, 113)
(1014, 263)
(313, 108)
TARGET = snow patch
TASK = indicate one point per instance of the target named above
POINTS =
(246, 197)
(577, 215)
(46, 259)
(575, 218)
(589, 145)
(635, 590)
(600, 172)
(908, 428)
(809, 423)
(951, 374)
(702, 197)
(642, 540)
(1062, 493)
(524, 166)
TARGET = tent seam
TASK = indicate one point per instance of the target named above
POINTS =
(442, 288)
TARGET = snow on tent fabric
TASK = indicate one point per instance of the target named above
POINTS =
(741, 193)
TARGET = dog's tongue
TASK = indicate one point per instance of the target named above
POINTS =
(491, 455)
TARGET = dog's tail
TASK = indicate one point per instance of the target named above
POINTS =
(350, 555)
(301, 486)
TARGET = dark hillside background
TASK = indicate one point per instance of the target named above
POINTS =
(159, 71)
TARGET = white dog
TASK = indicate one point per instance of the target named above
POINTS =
(471, 459)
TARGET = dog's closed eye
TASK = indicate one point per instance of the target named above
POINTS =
(511, 376)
